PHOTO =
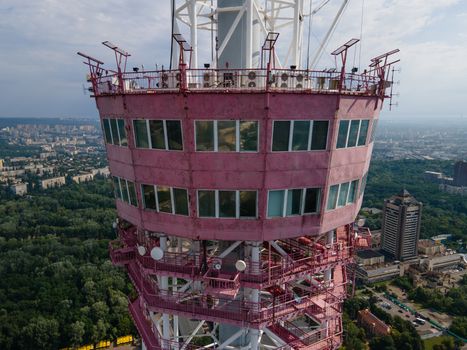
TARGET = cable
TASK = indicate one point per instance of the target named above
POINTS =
(172, 35)
(361, 36)
(310, 20)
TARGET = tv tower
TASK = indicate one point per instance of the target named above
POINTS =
(238, 183)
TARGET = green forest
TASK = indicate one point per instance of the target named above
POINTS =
(443, 213)
(59, 289)
(58, 286)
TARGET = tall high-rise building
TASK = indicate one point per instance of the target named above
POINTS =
(238, 182)
(460, 173)
(401, 226)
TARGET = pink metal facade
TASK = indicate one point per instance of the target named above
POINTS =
(290, 291)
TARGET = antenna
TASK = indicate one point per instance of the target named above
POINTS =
(120, 55)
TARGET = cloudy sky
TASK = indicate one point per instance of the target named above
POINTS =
(41, 75)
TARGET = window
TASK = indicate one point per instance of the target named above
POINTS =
(163, 134)
(165, 199)
(352, 133)
(180, 201)
(125, 190)
(107, 132)
(141, 133)
(207, 203)
(226, 135)
(117, 189)
(363, 185)
(292, 202)
(114, 132)
(122, 132)
(149, 196)
(227, 204)
(342, 194)
(299, 135)
(332, 197)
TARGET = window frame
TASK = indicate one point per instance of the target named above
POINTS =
(302, 202)
(115, 140)
(172, 199)
(360, 121)
(166, 139)
(291, 134)
(217, 208)
(348, 192)
(215, 136)
(123, 185)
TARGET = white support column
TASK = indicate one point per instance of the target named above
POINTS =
(249, 34)
(254, 297)
(164, 286)
(230, 339)
(329, 241)
(296, 33)
(194, 33)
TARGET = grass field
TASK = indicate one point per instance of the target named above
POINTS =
(429, 343)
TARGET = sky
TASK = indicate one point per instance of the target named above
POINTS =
(41, 75)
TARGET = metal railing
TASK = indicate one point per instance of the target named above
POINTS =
(236, 80)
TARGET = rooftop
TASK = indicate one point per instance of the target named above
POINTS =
(368, 254)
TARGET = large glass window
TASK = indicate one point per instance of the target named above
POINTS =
(122, 132)
(248, 136)
(132, 193)
(294, 202)
(125, 190)
(204, 135)
(311, 200)
(299, 135)
(298, 201)
(247, 204)
(352, 133)
(124, 187)
(319, 136)
(353, 192)
(276, 203)
(164, 199)
(343, 193)
(156, 128)
(342, 136)
(174, 135)
(107, 132)
(117, 189)
(207, 203)
(332, 197)
(227, 204)
(280, 137)
(141, 133)
(226, 135)
(180, 201)
(363, 132)
(149, 196)
(114, 128)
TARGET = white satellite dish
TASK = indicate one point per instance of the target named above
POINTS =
(361, 222)
(141, 250)
(157, 253)
(240, 265)
(217, 266)
(114, 225)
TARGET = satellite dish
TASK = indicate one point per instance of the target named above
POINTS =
(240, 265)
(141, 250)
(157, 253)
(361, 222)
(217, 266)
(114, 225)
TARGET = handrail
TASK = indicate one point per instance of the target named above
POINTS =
(235, 80)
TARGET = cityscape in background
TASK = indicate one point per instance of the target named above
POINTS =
(39, 155)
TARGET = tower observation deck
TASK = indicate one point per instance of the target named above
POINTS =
(237, 184)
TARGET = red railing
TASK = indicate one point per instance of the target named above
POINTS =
(236, 79)
(145, 327)
(121, 255)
